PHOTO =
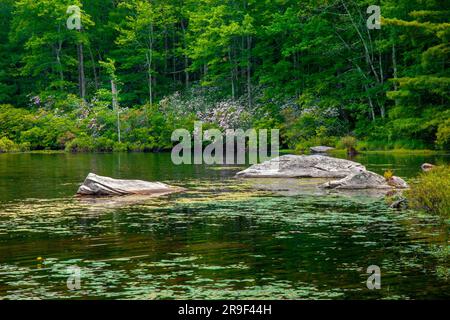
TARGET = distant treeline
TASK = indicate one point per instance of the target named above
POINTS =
(137, 69)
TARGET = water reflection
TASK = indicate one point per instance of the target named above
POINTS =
(223, 238)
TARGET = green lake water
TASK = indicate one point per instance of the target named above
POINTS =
(223, 238)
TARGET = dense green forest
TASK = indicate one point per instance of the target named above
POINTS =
(138, 69)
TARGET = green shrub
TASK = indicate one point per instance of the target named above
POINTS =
(81, 144)
(65, 138)
(362, 145)
(120, 147)
(443, 136)
(375, 145)
(88, 144)
(405, 144)
(13, 121)
(347, 142)
(103, 144)
(431, 191)
(7, 145)
(25, 146)
(140, 147)
(35, 137)
(409, 144)
(136, 147)
(303, 146)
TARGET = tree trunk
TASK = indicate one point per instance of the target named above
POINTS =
(372, 110)
(295, 57)
(233, 89)
(58, 62)
(150, 78)
(174, 62)
(186, 62)
(116, 106)
(249, 71)
(382, 109)
(166, 55)
(94, 69)
(394, 67)
(81, 76)
(149, 57)
(368, 54)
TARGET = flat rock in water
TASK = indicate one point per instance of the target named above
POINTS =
(304, 166)
(95, 185)
(320, 149)
(427, 167)
(364, 179)
(398, 183)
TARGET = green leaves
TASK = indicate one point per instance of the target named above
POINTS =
(279, 58)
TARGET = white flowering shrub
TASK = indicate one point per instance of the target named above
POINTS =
(207, 106)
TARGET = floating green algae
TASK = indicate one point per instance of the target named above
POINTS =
(224, 238)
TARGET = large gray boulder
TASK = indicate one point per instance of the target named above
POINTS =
(363, 179)
(304, 166)
(320, 149)
(95, 185)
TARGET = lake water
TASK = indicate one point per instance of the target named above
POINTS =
(223, 238)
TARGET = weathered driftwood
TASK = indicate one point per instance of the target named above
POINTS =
(95, 185)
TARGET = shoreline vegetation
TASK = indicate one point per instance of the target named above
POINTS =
(334, 152)
(430, 192)
(138, 70)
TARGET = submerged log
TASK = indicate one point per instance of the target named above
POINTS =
(95, 185)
